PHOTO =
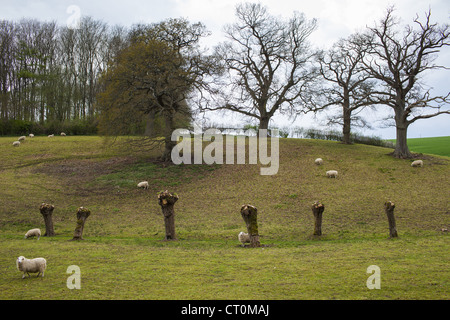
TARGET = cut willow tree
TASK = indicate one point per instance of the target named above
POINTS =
(167, 201)
(82, 215)
(250, 214)
(389, 208)
(47, 212)
(317, 209)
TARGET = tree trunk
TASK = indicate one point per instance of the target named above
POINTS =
(401, 145)
(82, 215)
(264, 123)
(47, 213)
(167, 201)
(168, 143)
(249, 214)
(389, 208)
(317, 209)
(346, 127)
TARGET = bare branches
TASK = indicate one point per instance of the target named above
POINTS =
(268, 64)
(398, 60)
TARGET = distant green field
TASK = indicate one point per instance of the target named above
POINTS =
(435, 145)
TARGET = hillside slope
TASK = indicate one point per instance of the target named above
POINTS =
(126, 226)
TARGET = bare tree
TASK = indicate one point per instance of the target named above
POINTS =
(268, 62)
(7, 35)
(398, 60)
(351, 86)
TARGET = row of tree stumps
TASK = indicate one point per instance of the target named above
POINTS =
(47, 212)
(249, 213)
(167, 202)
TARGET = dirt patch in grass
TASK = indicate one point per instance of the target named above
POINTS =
(78, 172)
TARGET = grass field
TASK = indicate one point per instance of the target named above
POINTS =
(123, 255)
(435, 145)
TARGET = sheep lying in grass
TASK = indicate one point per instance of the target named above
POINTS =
(332, 174)
(51, 135)
(33, 233)
(244, 238)
(318, 161)
(417, 163)
(22, 138)
(143, 184)
(31, 265)
(31, 135)
(16, 143)
(63, 134)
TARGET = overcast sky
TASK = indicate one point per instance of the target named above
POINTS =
(336, 19)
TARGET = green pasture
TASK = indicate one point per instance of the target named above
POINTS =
(124, 256)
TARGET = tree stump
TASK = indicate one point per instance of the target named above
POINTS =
(82, 215)
(249, 214)
(317, 209)
(167, 201)
(389, 208)
(47, 212)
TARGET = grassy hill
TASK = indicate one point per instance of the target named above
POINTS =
(123, 255)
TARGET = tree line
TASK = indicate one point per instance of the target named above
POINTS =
(151, 78)
(50, 73)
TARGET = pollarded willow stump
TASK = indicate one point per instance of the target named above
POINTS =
(47, 212)
(82, 215)
(167, 201)
(389, 208)
(317, 209)
(250, 214)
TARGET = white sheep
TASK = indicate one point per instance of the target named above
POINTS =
(143, 184)
(22, 138)
(244, 238)
(318, 161)
(51, 135)
(16, 143)
(33, 233)
(31, 265)
(332, 174)
(63, 134)
(31, 135)
(417, 163)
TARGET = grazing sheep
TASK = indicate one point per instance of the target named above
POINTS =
(417, 163)
(332, 174)
(318, 161)
(31, 265)
(143, 184)
(16, 143)
(51, 135)
(31, 135)
(244, 238)
(33, 233)
(22, 138)
(63, 134)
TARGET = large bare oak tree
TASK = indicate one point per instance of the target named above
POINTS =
(398, 59)
(268, 63)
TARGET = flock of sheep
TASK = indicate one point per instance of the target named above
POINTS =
(38, 265)
(28, 266)
(22, 138)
